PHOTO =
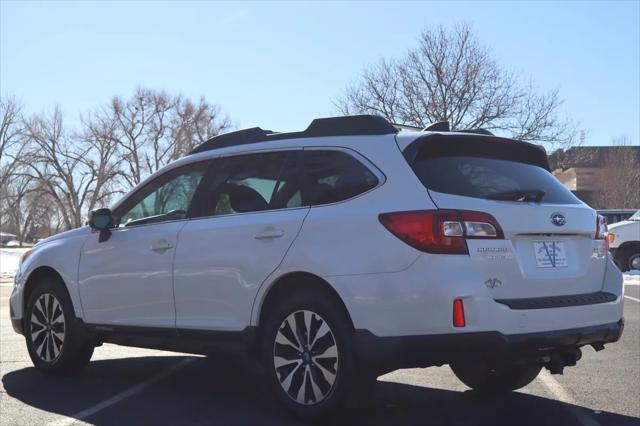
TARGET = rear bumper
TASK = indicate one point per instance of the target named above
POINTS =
(418, 301)
(559, 301)
(390, 353)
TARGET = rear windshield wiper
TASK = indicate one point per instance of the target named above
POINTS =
(518, 195)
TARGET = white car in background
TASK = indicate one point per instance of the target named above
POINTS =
(624, 243)
(616, 215)
(334, 255)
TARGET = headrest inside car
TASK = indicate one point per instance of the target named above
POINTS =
(244, 199)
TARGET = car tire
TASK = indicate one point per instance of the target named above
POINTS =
(628, 258)
(632, 261)
(506, 378)
(308, 356)
(53, 339)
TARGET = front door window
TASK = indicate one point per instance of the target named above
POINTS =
(164, 199)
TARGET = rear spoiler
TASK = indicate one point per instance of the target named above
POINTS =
(473, 145)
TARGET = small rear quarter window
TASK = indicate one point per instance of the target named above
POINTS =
(334, 176)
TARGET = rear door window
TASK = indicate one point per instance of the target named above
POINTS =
(251, 183)
(489, 175)
(332, 176)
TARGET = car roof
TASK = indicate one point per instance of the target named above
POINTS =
(350, 125)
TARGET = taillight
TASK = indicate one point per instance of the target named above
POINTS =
(441, 231)
(480, 225)
(601, 230)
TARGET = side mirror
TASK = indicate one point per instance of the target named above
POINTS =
(101, 220)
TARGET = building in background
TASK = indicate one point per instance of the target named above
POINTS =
(605, 177)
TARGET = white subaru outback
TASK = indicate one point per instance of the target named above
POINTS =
(331, 256)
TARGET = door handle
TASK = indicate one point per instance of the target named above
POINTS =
(162, 245)
(269, 233)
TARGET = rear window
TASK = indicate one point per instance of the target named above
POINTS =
(480, 176)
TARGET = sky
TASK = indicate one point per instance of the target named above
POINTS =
(279, 65)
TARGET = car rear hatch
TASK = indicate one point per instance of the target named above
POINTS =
(546, 239)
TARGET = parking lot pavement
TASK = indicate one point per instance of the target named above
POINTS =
(128, 386)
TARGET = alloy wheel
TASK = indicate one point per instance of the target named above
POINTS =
(47, 327)
(634, 262)
(305, 356)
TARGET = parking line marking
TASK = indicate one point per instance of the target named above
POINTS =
(81, 415)
(562, 395)
(632, 298)
(555, 387)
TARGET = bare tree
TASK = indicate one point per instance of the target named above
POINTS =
(12, 142)
(104, 162)
(620, 177)
(450, 77)
(46, 167)
(153, 128)
(140, 124)
(24, 208)
(74, 170)
(193, 124)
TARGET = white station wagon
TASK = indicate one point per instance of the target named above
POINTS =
(331, 256)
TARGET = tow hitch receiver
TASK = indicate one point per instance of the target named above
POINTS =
(555, 363)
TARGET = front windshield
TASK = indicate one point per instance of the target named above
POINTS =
(636, 216)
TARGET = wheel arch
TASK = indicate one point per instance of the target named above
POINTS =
(39, 273)
(629, 245)
(294, 282)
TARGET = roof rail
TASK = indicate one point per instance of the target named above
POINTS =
(351, 125)
(443, 126)
(401, 127)
(239, 137)
(477, 131)
(440, 126)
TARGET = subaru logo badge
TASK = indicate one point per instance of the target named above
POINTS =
(558, 219)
